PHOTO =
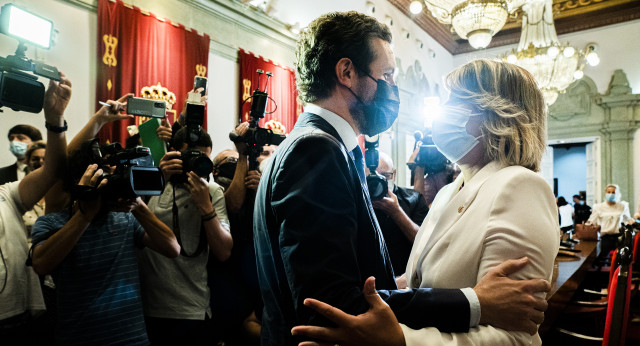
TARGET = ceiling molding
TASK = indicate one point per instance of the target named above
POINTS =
(570, 16)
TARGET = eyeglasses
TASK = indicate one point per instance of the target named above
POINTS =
(387, 175)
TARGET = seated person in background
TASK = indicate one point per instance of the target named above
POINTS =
(175, 293)
(224, 167)
(494, 127)
(399, 214)
(581, 211)
(35, 159)
(21, 296)
(565, 210)
(90, 250)
(609, 215)
(20, 137)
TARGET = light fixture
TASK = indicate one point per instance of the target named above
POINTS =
(415, 7)
(371, 7)
(474, 20)
(554, 65)
(25, 26)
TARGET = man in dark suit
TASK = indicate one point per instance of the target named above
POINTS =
(20, 137)
(315, 231)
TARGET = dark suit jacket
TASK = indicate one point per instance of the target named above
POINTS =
(8, 174)
(316, 236)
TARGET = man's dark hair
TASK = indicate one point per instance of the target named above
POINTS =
(26, 130)
(328, 39)
(180, 138)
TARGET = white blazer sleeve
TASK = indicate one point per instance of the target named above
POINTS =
(523, 221)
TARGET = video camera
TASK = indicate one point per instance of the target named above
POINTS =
(428, 157)
(133, 176)
(192, 158)
(376, 183)
(22, 91)
(256, 137)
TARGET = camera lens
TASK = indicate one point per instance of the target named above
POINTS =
(200, 165)
(377, 187)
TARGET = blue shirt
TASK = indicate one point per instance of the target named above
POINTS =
(98, 290)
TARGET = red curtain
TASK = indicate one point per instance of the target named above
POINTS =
(136, 49)
(281, 87)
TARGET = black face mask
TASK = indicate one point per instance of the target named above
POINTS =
(227, 169)
(383, 109)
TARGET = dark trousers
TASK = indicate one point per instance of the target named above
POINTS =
(168, 331)
(608, 242)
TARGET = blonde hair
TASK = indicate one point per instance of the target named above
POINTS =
(514, 125)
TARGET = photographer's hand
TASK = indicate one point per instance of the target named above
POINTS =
(389, 205)
(240, 130)
(199, 193)
(100, 118)
(91, 177)
(56, 99)
(412, 158)
(113, 112)
(170, 164)
(164, 131)
(252, 180)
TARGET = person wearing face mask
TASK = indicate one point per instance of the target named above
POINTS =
(400, 214)
(20, 137)
(581, 211)
(499, 208)
(315, 230)
(608, 215)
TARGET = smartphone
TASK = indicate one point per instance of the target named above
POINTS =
(200, 82)
(143, 107)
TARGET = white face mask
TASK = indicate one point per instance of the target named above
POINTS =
(450, 134)
(18, 149)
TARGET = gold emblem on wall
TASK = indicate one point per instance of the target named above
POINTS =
(109, 85)
(246, 91)
(201, 70)
(110, 44)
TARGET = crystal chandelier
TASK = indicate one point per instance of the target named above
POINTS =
(554, 65)
(474, 20)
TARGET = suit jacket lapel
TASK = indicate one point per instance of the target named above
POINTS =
(453, 204)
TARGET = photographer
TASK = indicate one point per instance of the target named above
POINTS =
(177, 311)
(428, 184)
(20, 294)
(90, 250)
(399, 214)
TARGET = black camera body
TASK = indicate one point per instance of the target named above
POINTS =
(429, 157)
(134, 174)
(256, 137)
(192, 158)
(377, 184)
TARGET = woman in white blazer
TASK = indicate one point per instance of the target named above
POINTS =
(494, 127)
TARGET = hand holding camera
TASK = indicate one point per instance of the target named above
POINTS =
(239, 132)
(252, 180)
(92, 177)
(164, 131)
(56, 99)
(388, 204)
(199, 193)
(171, 164)
(112, 110)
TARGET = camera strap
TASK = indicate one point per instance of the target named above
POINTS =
(176, 230)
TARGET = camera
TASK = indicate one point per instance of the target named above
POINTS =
(134, 174)
(22, 91)
(192, 158)
(200, 82)
(146, 107)
(377, 184)
(428, 157)
(256, 137)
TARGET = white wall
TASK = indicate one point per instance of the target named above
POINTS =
(73, 54)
